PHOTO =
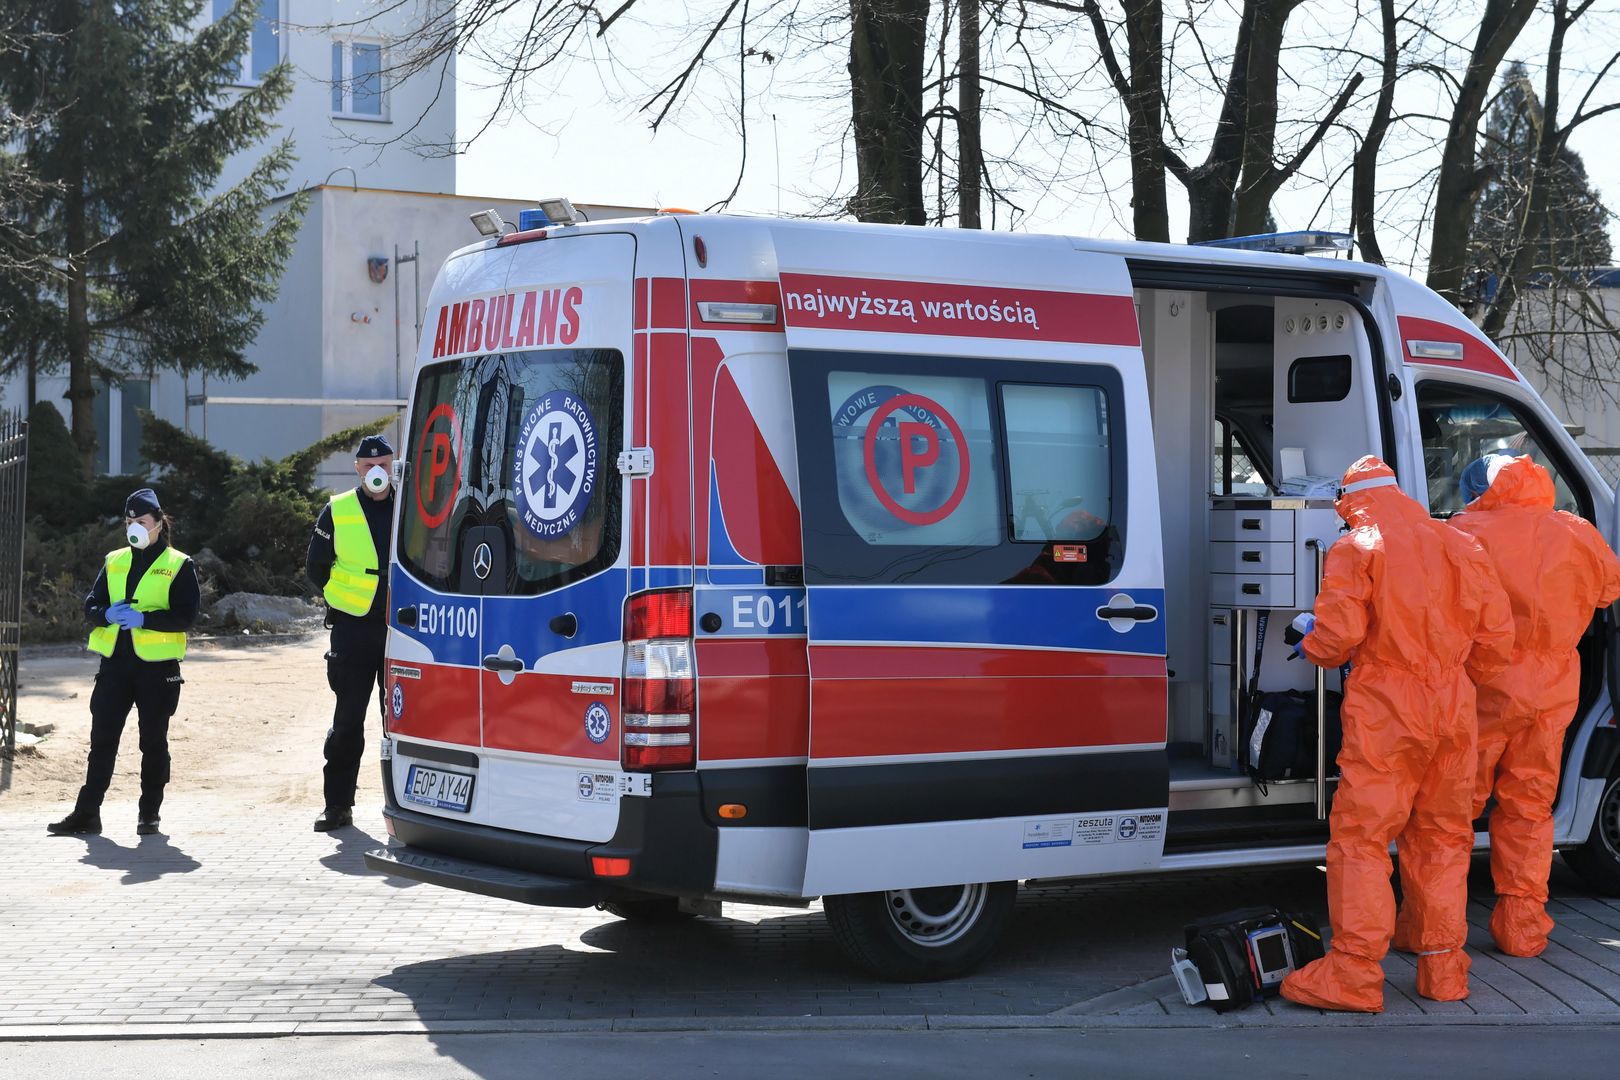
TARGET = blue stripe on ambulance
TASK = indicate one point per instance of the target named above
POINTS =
(1052, 617)
(521, 621)
(446, 623)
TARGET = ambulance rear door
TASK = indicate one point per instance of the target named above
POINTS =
(982, 561)
(528, 512)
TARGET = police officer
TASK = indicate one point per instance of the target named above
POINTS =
(348, 556)
(143, 602)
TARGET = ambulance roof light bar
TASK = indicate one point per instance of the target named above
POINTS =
(1300, 242)
(490, 223)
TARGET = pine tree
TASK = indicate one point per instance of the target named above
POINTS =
(1575, 235)
(152, 266)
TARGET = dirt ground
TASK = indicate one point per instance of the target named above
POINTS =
(250, 726)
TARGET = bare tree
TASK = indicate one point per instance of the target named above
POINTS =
(887, 57)
(1460, 179)
(1364, 179)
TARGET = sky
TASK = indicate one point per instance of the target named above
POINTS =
(581, 132)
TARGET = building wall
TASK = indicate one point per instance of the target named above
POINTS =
(382, 152)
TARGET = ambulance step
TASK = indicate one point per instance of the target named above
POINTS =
(498, 881)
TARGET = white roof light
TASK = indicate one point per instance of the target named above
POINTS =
(490, 223)
(559, 210)
(1435, 350)
(716, 311)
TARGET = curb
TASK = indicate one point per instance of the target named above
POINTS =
(653, 1025)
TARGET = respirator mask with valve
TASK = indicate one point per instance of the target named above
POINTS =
(376, 480)
(137, 535)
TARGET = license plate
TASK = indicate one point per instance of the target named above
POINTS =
(438, 788)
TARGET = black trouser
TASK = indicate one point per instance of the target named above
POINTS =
(353, 667)
(153, 690)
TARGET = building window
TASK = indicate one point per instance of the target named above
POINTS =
(357, 84)
(117, 411)
(264, 47)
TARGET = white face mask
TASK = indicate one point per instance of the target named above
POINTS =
(137, 535)
(376, 479)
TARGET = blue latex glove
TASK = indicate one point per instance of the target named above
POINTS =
(129, 618)
(1302, 626)
(113, 612)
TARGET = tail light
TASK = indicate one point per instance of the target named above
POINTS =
(660, 695)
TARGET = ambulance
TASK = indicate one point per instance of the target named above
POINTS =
(760, 561)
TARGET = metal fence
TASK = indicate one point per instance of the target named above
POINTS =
(13, 491)
(1607, 460)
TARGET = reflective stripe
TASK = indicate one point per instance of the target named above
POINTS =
(353, 584)
(1367, 485)
(151, 594)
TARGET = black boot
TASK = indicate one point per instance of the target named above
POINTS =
(78, 823)
(147, 825)
(334, 817)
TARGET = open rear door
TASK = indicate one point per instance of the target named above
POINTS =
(983, 566)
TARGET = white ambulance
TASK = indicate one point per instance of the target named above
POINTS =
(759, 561)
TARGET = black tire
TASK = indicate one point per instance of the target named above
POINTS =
(920, 935)
(1598, 860)
(651, 909)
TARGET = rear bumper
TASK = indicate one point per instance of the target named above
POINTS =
(481, 878)
(669, 842)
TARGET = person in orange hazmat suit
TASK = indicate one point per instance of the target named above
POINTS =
(1417, 607)
(1557, 569)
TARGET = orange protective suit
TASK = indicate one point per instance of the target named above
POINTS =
(1417, 608)
(1557, 570)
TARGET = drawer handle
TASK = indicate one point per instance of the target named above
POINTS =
(1252, 523)
(1251, 556)
(1251, 589)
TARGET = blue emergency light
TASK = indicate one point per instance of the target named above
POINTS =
(534, 218)
(1302, 242)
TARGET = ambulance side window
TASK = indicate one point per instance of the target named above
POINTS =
(1460, 424)
(1058, 462)
(958, 470)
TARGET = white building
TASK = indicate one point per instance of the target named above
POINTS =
(337, 345)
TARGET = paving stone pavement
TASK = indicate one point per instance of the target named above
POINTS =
(254, 922)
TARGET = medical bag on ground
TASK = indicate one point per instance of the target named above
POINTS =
(1278, 729)
(1235, 959)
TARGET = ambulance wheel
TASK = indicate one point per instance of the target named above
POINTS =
(650, 909)
(1598, 860)
(918, 935)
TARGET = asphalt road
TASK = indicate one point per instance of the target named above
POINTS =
(1393, 1054)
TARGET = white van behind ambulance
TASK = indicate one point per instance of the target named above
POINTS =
(755, 560)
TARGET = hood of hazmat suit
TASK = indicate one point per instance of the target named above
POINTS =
(1557, 569)
(1416, 606)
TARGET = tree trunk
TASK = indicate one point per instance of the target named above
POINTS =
(81, 394)
(970, 154)
(887, 58)
(1144, 109)
(1211, 186)
(1252, 204)
(1364, 178)
(1460, 181)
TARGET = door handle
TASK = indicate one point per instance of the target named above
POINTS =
(566, 624)
(1140, 613)
(406, 616)
(500, 663)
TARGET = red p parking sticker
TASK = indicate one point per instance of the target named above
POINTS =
(438, 472)
(925, 446)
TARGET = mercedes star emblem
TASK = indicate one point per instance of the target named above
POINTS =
(483, 558)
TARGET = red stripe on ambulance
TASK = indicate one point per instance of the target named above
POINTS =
(882, 702)
(1477, 353)
(540, 714)
(435, 705)
(816, 302)
(755, 699)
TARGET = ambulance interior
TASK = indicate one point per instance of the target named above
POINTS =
(1259, 402)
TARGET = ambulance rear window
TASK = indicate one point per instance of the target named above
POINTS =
(513, 487)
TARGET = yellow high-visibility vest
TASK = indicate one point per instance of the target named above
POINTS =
(151, 594)
(353, 584)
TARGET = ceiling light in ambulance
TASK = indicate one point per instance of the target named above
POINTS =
(726, 312)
